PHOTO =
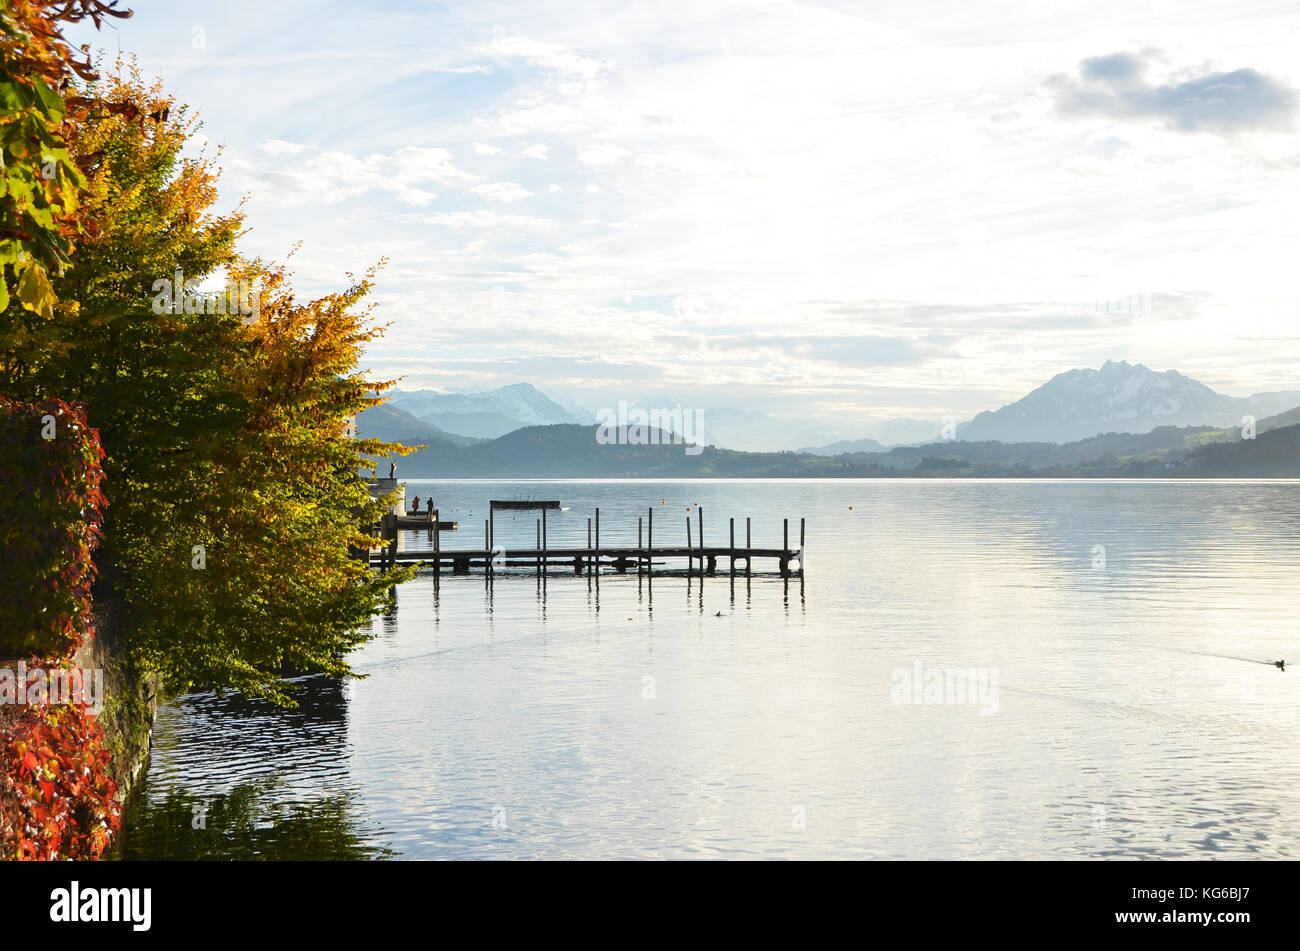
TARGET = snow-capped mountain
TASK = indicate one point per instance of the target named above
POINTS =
(484, 415)
(1120, 397)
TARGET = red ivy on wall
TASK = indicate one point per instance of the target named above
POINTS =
(50, 516)
(57, 799)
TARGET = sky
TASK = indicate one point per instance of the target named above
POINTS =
(827, 211)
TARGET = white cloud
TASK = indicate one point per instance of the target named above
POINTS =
(604, 153)
(504, 192)
(538, 151)
(546, 55)
(298, 178)
(280, 147)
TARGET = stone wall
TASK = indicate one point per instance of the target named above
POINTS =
(130, 696)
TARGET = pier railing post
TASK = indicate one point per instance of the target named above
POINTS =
(690, 560)
(749, 548)
(785, 548)
(390, 537)
(801, 544)
(699, 510)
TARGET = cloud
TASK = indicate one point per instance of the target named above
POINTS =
(331, 177)
(481, 149)
(280, 147)
(1116, 86)
(546, 55)
(484, 219)
(505, 192)
(848, 350)
(606, 153)
(538, 151)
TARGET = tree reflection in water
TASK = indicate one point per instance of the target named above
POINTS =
(252, 822)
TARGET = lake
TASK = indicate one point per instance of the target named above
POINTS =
(970, 669)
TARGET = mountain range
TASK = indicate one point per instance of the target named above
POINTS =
(1120, 397)
(1071, 406)
(567, 451)
(483, 415)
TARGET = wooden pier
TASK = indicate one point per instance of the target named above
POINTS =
(423, 522)
(642, 558)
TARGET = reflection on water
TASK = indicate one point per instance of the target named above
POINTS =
(1127, 628)
(279, 789)
(251, 822)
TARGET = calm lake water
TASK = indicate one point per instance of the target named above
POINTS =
(1107, 692)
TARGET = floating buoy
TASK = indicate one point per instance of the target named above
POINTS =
(850, 508)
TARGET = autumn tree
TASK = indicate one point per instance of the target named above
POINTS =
(40, 182)
(232, 490)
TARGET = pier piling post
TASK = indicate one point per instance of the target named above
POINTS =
(639, 539)
(437, 548)
(785, 549)
(544, 564)
(587, 556)
(538, 548)
(749, 549)
(649, 540)
(690, 560)
(733, 545)
(390, 536)
(596, 560)
(699, 509)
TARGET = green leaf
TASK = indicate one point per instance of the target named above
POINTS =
(51, 100)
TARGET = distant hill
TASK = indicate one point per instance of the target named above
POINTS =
(391, 424)
(845, 446)
(1289, 418)
(571, 451)
(1274, 453)
(1118, 397)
